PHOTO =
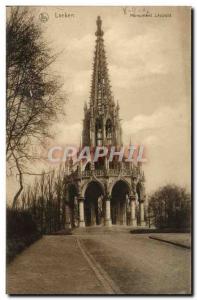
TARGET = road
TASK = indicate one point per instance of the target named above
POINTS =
(103, 263)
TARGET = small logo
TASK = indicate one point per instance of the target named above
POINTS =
(43, 17)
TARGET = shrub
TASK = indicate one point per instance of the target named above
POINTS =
(21, 231)
(170, 207)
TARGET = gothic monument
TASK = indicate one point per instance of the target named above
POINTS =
(103, 193)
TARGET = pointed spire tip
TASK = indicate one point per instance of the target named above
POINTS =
(99, 31)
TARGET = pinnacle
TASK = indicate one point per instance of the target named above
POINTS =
(99, 32)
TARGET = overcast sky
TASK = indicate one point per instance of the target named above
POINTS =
(149, 69)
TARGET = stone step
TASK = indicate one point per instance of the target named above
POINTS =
(101, 229)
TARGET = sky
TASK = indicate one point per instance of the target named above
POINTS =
(149, 69)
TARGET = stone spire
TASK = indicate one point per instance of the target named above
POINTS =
(101, 124)
(100, 97)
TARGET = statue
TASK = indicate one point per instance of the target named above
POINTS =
(128, 209)
(100, 209)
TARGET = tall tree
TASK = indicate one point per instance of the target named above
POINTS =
(170, 206)
(34, 98)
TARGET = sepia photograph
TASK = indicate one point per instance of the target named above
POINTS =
(99, 150)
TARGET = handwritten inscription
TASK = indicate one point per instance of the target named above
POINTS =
(142, 12)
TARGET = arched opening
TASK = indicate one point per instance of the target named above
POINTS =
(120, 203)
(88, 166)
(108, 130)
(139, 190)
(94, 204)
(98, 132)
(73, 205)
(100, 164)
(138, 197)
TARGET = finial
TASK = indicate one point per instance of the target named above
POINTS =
(99, 32)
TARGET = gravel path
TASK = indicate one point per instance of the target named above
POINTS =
(114, 263)
(53, 265)
(139, 265)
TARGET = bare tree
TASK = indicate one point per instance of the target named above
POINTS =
(44, 200)
(34, 97)
(60, 193)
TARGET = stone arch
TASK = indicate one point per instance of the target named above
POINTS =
(84, 187)
(108, 131)
(120, 192)
(93, 203)
(119, 179)
(98, 132)
(88, 166)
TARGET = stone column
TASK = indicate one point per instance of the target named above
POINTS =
(142, 222)
(107, 212)
(106, 163)
(133, 214)
(67, 216)
(81, 212)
